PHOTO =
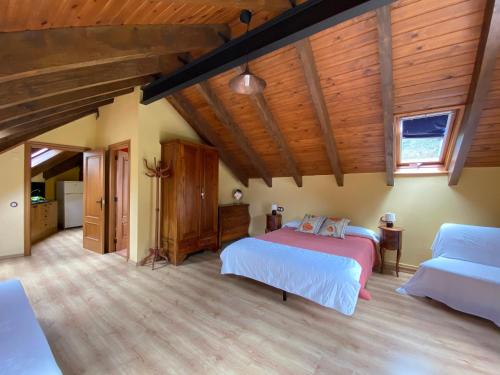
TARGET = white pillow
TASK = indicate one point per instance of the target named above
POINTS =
(293, 224)
(362, 232)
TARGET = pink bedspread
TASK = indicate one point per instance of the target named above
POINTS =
(361, 249)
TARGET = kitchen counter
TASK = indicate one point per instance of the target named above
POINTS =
(43, 220)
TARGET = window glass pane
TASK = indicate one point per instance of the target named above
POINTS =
(422, 138)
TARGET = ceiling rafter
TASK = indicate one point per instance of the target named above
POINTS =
(270, 124)
(289, 27)
(311, 75)
(52, 162)
(484, 68)
(239, 137)
(20, 128)
(93, 101)
(37, 105)
(75, 161)
(18, 139)
(45, 85)
(204, 130)
(384, 28)
(31, 53)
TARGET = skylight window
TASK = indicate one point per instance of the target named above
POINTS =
(423, 140)
(39, 152)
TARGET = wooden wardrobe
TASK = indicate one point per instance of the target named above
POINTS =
(189, 199)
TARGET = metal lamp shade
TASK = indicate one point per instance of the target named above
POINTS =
(247, 83)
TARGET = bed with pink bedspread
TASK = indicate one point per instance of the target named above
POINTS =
(332, 272)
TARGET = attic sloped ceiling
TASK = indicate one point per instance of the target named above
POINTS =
(434, 46)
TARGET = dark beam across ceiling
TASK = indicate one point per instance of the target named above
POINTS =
(291, 26)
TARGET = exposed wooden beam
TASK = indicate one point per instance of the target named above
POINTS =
(486, 57)
(14, 141)
(291, 26)
(66, 165)
(45, 85)
(318, 100)
(204, 130)
(35, 106)
(237, 134)
(387, 86)
(274, 131)
(96, 100)
(28, 53)
(52, 162)
(33, 124)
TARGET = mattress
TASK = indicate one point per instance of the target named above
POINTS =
(327, 272)
(24, 350)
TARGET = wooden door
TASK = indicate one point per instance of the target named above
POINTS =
(209, 191)
(189, 193)
(93, 200)
(122, 200)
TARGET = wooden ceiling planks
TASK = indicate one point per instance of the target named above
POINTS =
(347, 59)
(207, 114)
(19, 15)
(434, 45)
(435, 80)
(47, 14)
(485, 148)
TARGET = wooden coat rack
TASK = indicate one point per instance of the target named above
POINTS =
(156, 253)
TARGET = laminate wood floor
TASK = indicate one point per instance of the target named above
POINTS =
(102, 315)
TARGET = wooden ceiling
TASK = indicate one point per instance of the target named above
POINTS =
(62, 60)
(434, 47)
(328, 104)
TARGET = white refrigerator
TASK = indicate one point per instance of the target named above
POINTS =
(69, 203)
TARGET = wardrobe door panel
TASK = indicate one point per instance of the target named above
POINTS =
(209, 195)
(189, 193)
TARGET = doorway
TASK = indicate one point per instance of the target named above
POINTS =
(119, 198)
(47, 169)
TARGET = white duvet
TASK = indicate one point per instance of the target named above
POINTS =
(330, 280)
(464, 272)
(23, 347)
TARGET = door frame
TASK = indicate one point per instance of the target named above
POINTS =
(111, 193)
(28, 146)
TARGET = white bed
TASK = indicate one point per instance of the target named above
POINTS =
(464, 272)
(23, 347)
(331, 280)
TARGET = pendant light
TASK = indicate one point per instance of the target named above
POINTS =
(247, 83)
